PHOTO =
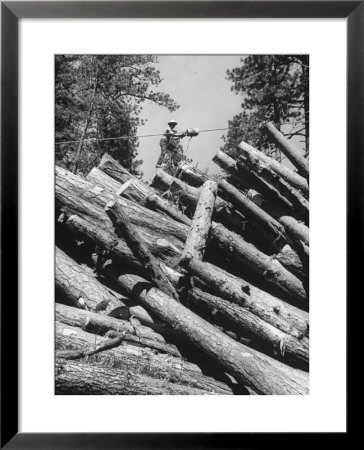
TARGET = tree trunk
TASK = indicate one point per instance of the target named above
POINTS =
(224, 212)
(276, 343)
(293, 178)
(298, 201)
(99, 178)
(272, 310)
(191, 175)
(188, 195)
(87, 123)
(136, 361)
(94, 323)
(79, 286)
(262, 373)
(198, 234)
(116, 171)
(296, 230)
(259, 184)
(268, 268)
(288, 149)
(263, 223)
(272, 230)
(110, 174)
(80, 378)
(153, 227)
(230, 166)
(140, 249)
(156, 203)
(73, 196)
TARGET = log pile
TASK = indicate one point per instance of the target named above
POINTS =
(189, 285)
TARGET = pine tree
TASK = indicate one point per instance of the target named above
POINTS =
(273, 88)
(101, 97)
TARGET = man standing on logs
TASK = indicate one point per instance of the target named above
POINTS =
(170, 144)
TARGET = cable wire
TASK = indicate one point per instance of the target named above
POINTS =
(128, 137)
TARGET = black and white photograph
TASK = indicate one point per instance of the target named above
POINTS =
(181, 224)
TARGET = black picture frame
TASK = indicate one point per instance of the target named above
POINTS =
(11, 12)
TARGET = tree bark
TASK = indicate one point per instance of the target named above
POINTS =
(106, 175)
(87, 123)
(140, 249)
(272, 230)
(80, 378)
(288, 149)
(75, 196)
(298, 201)
(80, 287)
(191, 176)
(99, 178)
(262, 373)
(293, 178)
(280, 345)
(116, 171)
(94, 323)
(137, 360)
(259, 184)
(153, 227)
(268, 268)
(198, 234)
(272, 310)
(241, 174)
(259, 220)
(188, 195)
(297, 231)
(230, 166)
(156, 203)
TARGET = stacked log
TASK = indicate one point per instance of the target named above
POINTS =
(126, 369)
(292, 226)
(292, 153)
(159, 285)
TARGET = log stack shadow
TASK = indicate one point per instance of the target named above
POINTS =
(189, 285)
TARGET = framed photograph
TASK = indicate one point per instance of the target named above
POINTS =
(166, 168)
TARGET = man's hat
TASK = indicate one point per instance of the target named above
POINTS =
(171, 122)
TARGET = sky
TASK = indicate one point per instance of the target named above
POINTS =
(198, 84)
